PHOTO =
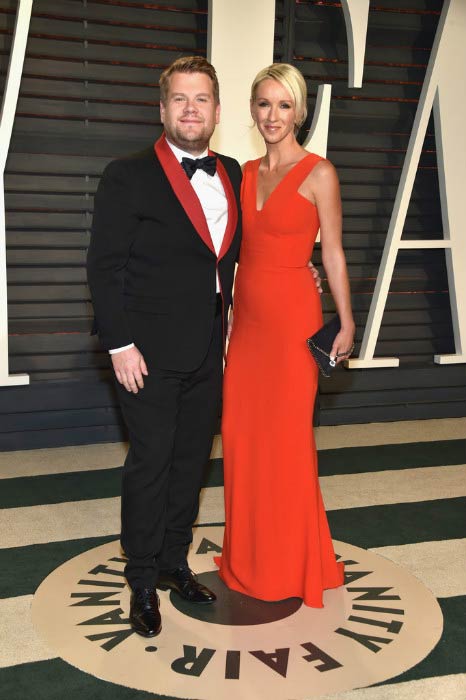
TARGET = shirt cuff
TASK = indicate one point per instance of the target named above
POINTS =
(116, 350)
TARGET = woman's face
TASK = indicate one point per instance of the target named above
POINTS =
(273, 110)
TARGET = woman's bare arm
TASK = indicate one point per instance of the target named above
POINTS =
(326, 190)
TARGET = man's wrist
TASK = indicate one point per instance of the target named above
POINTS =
(114, 351)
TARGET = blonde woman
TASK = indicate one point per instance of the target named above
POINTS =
(277, 541)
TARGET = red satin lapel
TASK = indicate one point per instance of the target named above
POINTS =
(184, 191)
(232, 208)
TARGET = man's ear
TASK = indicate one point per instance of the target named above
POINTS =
(162, 112)
(217, 113)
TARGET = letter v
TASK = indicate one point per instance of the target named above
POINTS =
(7, 118)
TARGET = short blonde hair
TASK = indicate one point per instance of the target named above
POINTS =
(292, 80)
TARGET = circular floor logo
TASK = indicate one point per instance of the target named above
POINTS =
(382, 622)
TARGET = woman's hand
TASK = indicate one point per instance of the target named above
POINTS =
(323, 181)
(315, 274)
(343, 345)
(230, 324)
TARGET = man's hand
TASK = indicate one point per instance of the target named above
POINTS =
(315, 274)
(129, 368)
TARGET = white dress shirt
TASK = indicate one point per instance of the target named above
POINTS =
(212, 197)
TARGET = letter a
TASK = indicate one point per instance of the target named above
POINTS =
(444, 92)
(277, 660)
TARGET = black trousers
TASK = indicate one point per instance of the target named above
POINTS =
(171, 423)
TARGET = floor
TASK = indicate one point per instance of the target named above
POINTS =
(395, 495)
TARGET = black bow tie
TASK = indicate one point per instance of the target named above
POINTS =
(190, 165)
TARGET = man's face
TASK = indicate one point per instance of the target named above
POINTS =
(189, 114)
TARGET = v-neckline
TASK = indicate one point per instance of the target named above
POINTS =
(265, 202)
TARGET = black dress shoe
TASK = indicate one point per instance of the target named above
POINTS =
(144, 613)
(184, 582)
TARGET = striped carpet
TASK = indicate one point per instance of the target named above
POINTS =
(398, 489)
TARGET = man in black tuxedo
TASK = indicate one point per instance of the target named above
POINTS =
(165, 238)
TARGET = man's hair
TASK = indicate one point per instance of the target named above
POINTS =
(188, 64)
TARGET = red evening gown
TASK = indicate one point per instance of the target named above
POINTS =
(277, 542)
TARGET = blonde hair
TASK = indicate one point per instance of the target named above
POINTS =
(292, 80)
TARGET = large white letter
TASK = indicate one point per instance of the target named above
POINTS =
(241, 37)
(10, 99)
(443, 90)
(317, 138)
(356, 14)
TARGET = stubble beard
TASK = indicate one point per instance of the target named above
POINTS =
(191, 143)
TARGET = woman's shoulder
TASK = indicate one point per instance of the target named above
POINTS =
(312, 157)
(320, 166)
(250, 165)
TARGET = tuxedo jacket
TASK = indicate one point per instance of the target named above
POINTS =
(151, 262)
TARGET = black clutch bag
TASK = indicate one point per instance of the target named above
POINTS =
(321, 343)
